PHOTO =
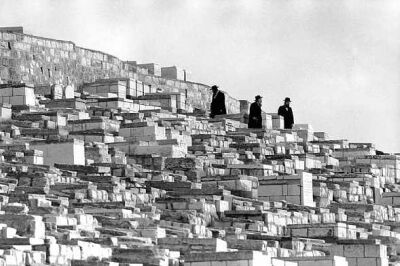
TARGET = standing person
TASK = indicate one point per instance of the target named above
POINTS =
(218, 102)
(287, 113)
(255, 118)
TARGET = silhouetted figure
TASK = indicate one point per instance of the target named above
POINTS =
(255, 118)
(287, 113)
(218, 102)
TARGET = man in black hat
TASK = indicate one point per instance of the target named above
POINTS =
(287, 113)
(218, 102)
(255, 118)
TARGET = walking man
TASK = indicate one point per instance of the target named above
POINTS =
(287, 113)
(218, 102)
(255, 118)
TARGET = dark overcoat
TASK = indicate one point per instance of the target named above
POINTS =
(255, 118)
(287, 116)
(218, 104)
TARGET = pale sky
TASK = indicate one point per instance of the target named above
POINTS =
(338, 60)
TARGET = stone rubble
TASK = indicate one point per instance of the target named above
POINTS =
(131, 171)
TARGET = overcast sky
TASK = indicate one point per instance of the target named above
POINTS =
(339, 61)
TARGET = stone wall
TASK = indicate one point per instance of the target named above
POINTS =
(39, 60)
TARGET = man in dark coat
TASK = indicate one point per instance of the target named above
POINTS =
(287, 113)
(218, 102)
(255, 118)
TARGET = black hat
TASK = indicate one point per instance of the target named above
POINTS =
(287, 99)
(214, 87)
(258, 97)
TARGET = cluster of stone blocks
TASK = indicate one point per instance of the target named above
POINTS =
(120, 171)
(17, 95)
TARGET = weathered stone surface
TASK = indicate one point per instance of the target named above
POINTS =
(105, 162)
